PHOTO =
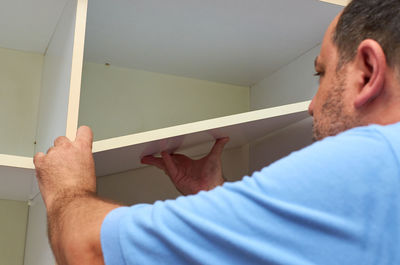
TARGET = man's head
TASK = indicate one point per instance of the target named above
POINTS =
(359, 67)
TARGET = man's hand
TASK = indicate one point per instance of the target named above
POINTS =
(68, 168)
(191, 176)
(67, 182)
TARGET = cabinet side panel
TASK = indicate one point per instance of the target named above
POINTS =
(61, 70)
(59, 97)
(37, 249)
(265, 151)
(13, 218)
(76, 71)
(292, 83)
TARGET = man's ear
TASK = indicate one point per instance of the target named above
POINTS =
(371, 61)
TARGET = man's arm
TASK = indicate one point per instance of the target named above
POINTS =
(67, 181)
(304, 209)
(75, 214)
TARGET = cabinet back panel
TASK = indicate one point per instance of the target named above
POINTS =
(120, 101)
(292, 83)
(62, 68)
(20, 80)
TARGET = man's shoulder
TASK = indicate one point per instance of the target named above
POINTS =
(383, 137)
(363, 148)
(362, 160)
(364, 136)
(375, 130)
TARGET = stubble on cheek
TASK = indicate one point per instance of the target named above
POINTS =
(333, 118)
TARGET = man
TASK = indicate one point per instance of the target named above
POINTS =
(335, 202)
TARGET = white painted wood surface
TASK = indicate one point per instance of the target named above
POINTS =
(58, 111)
(37, 250)
(124, 153)
(28, 25)
(228, 41)
(76, 69)
(59, 97)
(16, 161)
(337, 2)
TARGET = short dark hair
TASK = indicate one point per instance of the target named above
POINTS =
(369, 19)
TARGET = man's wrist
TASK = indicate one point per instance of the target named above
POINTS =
(63, 198)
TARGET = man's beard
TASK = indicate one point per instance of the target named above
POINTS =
(334, 119)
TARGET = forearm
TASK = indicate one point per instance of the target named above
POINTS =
(74, 228)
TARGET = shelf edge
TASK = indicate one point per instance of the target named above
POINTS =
(16, 161)
(139, 138)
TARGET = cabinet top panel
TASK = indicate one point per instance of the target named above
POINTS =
(237, 42)
(28, 25)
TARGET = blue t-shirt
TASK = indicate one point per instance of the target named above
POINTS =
(334, 202)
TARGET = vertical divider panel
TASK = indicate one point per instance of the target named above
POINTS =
(76, 69)
(58, 112)
(61, 81)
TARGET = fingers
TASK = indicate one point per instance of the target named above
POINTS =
(84, 135)
(37, 159)
(169, 164)
(165, 163)
(61, 140)
(153, 161)
(219, 146)
(50, 150)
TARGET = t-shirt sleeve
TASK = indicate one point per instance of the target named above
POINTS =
(326, 204)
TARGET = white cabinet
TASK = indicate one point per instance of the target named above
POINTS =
(153, 75)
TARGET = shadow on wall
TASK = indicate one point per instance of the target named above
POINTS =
(287, 140)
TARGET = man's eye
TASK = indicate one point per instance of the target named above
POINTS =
(318, 74)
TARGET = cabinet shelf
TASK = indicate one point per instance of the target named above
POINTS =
(124, 153)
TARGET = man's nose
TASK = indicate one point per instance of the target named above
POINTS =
(311, 107)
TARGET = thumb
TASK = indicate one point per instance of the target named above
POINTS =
(219, 146)
(84, 135)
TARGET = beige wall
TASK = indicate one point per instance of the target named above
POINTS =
(13, 221)
(20, 81)
(119, 101)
